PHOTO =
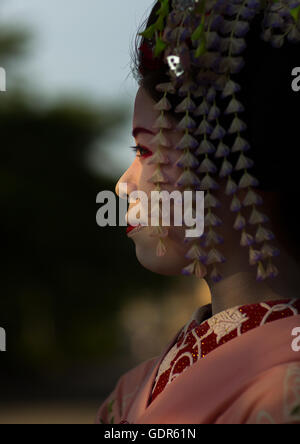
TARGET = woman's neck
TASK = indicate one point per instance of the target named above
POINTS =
(241, 287)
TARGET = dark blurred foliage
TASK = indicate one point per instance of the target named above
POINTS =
(63, 278)
(13, 42)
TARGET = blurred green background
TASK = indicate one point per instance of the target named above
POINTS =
(77, 307)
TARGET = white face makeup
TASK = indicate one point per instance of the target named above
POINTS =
(137, 178)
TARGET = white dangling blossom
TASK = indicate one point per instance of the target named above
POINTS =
(261, 274)
(214, 256)
(243, 162)
(187, 141)
(241, 28)
(212, 40)
(211, 219)
(248, 180)
(188, 160)
(257, 218)
(246, 239)
(162, 122)
(294, 35)
(262, 234)
(203, 128)
(186, 105)
(222, 150)
(212, 238)
(231, 64)
(234, 107)
(237, 46)
(211, 201)
(159, 158)
(214, 113)
(196, 252)
(188, 177)
(254, 256)
(230, 88)
(226, 168)
(215, 275)
(271, 271)
(209, 183)
(237, 125)
(269, 251)
(160, 139)
(218, 132)
(205, 147)
(158, 176)
(163, 105)
(240, 222)
(207, 166)
(202, 109)
(211, 95)
(195, 268)
(240, 144)
(231, 187)
(235, 204)
(186, 123)
(161, 248)
(252, 198)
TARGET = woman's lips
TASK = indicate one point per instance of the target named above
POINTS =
(133, 229)
(130, 228)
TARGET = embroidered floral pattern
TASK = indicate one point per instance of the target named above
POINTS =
(124, 403)
(196, 339)
(291, 408)
(291, 399)
(226, 322)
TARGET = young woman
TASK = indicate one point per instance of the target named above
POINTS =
(237, 360)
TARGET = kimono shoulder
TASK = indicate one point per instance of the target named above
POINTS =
(117, 404)
(273, 397)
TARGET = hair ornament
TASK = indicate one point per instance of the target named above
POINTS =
(201, 42)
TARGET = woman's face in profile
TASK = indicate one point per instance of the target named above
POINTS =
(137, 179)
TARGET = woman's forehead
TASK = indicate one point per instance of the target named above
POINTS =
(144, 113)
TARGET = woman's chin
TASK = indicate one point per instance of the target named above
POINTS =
(172, 263)
(167, 265)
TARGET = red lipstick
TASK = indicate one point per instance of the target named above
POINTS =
(130, 228)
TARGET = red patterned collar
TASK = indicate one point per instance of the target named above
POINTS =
(204, 333)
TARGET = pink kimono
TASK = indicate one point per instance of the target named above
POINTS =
(240, 366)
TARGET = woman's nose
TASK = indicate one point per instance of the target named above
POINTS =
(125, 185)
(121, 190)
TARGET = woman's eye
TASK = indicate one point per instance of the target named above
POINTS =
(143, 152)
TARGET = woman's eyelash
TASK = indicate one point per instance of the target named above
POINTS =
(140, 149)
